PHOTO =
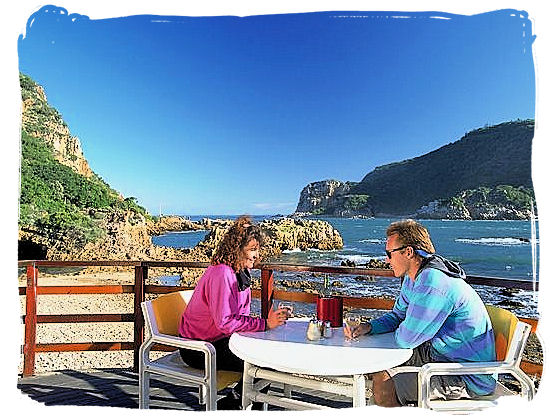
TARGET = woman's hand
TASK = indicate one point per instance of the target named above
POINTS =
(354, 332)
(275, 318)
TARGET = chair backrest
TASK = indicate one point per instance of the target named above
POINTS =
(504, 326)
(168, 309)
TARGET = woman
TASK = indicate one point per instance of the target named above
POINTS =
(220, 304)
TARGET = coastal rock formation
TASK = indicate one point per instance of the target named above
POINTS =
(288, 234)
(441, 209)
(332, 198)
(281, 234)
(126, 237)
(121, 236)
(173, 223)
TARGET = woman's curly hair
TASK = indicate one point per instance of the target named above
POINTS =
(230, 249)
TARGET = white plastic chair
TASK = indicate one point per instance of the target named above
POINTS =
(510, 339)
(162, 317)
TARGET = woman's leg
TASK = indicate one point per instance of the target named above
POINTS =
(225, 359)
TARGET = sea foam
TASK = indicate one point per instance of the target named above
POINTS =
(494, 241)
(372, 241)
(359, 258)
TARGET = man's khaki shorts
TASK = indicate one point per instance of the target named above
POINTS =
(441, 387)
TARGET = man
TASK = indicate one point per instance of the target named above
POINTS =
(437, 314)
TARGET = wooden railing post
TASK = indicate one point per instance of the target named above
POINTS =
(141, 273)
(29, 348)
(266, 292)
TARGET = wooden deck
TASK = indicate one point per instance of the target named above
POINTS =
(119, 388)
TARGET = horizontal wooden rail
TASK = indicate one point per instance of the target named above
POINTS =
(79, 263)
(156, 289)
(99, 346)
(82, 290)
(533, 369)
(326, 269)
(83, 318)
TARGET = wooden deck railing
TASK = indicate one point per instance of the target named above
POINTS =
(267, 294)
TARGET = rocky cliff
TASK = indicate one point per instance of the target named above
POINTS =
(41, 120)
(332, 198)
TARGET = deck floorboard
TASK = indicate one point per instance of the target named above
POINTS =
(119, 388)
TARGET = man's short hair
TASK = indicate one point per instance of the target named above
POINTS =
(411, 233)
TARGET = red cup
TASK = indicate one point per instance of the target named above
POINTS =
(330, 308)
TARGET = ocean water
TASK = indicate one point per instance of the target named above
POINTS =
(484, 248)
(184, 239)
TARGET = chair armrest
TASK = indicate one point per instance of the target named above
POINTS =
(180, 342)
(434, 369)
(487, 367)
(405, 369)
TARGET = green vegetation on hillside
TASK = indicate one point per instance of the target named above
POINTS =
(356, 202)
(54, 198)
(519, 198)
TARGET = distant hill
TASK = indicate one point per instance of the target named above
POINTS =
(487, 157)
(490, 156)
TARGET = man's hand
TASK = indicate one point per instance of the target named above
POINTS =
(276, 318)
(354, 332)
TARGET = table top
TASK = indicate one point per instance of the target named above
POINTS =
(287, 349)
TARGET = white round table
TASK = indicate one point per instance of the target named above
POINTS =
(286, 349)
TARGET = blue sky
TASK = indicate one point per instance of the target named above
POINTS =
(236, 115)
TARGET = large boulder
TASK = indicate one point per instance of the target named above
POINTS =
(280, 235)
(173, 223)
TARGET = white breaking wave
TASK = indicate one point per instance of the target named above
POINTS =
(358, 258)
(372, 241)
(294, 250)
(494, 241)
(198, 231)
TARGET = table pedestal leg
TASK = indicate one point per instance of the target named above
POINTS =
(359, 387)
(287, 389)
(248, 386)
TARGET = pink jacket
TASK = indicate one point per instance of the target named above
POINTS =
(217, 308)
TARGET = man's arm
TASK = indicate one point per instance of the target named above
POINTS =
(428, 309)
(391, 320)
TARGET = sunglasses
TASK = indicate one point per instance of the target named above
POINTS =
(388, 252)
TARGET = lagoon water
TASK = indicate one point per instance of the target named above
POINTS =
(484, 248)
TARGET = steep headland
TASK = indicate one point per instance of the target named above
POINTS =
(484, 175)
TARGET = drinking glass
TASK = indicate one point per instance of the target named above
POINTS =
(289, 307)
(352, 321)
